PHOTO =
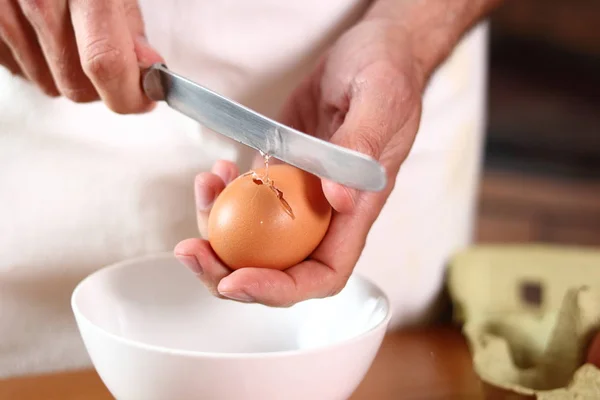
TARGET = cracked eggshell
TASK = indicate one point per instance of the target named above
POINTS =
(249, 225)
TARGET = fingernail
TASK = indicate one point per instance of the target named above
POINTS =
(191, 262)
(239, 296)
(204, 198)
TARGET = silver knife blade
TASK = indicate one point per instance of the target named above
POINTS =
(225, 116)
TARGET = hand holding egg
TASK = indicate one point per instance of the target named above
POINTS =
(361, 96)
(258, 225)
(302, 249)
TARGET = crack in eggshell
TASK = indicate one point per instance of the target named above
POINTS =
(258, 180)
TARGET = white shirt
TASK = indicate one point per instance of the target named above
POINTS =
(82, 187)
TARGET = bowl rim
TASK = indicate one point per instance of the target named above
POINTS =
(81, 318)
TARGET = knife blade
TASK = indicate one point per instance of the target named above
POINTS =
(229, 118)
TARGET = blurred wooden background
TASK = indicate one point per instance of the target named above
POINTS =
(542, 162)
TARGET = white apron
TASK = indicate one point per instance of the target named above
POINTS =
(81, 187)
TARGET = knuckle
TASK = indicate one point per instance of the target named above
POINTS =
(401, 82)
(367, 141)
(405, 88)
(103, 61)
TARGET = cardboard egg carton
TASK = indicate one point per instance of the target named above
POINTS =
(529, 313)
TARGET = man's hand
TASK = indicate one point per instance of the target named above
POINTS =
(81, 49)
(364, 95)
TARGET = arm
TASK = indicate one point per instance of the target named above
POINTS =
(365, 95)
(434, 26)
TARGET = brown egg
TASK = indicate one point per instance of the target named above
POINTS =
(276, 225)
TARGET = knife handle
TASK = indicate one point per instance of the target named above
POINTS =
(153, 82)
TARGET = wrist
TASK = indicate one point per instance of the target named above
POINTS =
(432, 27)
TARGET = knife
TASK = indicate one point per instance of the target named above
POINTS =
(222, 115)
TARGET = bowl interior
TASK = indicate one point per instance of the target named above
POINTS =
(155, 301)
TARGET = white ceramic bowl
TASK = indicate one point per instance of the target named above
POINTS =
(154, 332)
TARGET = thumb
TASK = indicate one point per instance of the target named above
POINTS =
(363, 130)
(145, 53)
(381, 122)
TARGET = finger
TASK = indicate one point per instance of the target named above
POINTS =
(146, 54)
(361, 131)
(226, 170)
(208, 186)
(307, 280)
(382, 102)
(107, 53)
(52, 24)
(20, 37)
(7, 59)
(343, 199)
(198, 256)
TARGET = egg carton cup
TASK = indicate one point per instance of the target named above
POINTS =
(524, 345)
(539, 357)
